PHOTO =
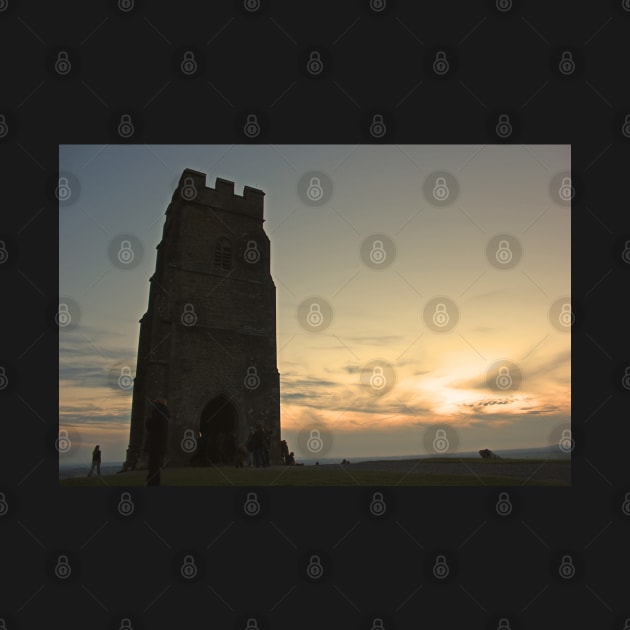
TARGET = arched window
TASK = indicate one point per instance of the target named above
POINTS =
(223, 255)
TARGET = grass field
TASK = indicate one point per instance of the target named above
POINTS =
(421, 472)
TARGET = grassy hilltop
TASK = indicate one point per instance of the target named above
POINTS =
(467, 471)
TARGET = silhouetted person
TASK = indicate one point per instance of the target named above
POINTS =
(291, 459)
(258, 442)
(157, 435)
(96, 461)
(284, 451)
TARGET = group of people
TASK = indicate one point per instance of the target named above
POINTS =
(288, 459)
(223, 450)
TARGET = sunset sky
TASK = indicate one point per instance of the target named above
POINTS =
(385, 250)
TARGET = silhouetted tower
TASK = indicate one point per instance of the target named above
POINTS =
(208, 339)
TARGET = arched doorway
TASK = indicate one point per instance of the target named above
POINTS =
(218, 429)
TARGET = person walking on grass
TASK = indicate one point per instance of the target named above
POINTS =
(96, 461)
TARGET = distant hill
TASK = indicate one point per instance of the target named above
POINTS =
(542, 452)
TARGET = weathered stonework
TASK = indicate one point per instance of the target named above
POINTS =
(208, 339)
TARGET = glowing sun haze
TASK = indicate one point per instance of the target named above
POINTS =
(379, 315)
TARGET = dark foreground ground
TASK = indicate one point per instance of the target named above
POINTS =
(419, 472)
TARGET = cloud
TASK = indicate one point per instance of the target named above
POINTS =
(534, 370)
(84, 362)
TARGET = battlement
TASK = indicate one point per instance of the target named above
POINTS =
(192, 189)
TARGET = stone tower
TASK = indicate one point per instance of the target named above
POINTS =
(208, 339)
